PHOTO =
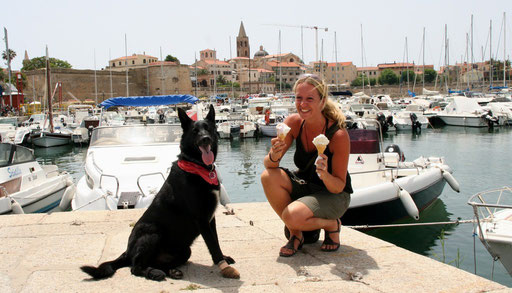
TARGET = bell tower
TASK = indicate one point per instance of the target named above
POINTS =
(242, 43)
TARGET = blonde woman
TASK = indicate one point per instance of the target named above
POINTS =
(317, 194)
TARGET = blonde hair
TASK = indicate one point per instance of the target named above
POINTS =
(330, 110)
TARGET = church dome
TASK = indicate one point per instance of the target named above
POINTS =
(260, 53)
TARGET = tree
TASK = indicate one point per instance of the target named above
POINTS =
(404, 78)
(12, 54)
(172, 59)
(221, 80)
(430, 75)
(388, 77)
(367, 81)
(202, 72)
(40, 62)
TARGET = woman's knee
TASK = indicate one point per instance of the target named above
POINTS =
(295, 216)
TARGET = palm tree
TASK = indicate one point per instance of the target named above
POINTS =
(12, 54)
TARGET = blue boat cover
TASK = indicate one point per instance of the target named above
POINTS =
(141, 101)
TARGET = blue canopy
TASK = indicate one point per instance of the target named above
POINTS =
(141, 101)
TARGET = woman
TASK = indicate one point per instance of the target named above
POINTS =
(318, 193)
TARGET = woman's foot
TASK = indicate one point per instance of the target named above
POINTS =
(293, 245)
(332, 238)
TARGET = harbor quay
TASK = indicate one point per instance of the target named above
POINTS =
(43, 253)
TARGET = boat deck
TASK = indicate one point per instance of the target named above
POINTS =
(43, 253)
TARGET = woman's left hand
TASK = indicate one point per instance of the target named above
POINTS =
(321, 166)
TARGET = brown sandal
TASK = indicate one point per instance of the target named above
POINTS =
(291, 246)
(329, 241)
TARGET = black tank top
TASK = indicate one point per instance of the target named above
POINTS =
(305, 160)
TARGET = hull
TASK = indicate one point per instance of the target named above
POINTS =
(391, 210)
(268, 130)
(462, 121)
(47, 140)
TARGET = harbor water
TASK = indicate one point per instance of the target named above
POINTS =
(480, 160)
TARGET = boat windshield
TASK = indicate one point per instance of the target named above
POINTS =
(136, 135)
(364, 141)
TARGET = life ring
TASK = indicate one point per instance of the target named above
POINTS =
(436, 108)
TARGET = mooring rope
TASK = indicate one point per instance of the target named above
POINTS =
(410, 224)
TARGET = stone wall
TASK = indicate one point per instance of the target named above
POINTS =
(80, 84)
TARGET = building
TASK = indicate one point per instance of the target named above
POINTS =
(370, 72)
(286, 72)
(131, 62)
(242, 43)
(340, 73)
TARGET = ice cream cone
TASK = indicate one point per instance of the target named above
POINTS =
(282, 130)
(320, 148)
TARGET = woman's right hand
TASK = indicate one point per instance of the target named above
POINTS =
(278, 146)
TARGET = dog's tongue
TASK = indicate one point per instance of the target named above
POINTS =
(207, 155)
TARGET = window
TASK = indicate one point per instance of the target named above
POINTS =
(113, 65)
(144, 61)
(133, 61)
(119, 62)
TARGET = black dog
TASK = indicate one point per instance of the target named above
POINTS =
(183, 208)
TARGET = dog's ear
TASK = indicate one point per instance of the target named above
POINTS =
(184, 119)
(211, 114)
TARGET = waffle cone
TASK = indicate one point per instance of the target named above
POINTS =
(321, 148)
(281, 136)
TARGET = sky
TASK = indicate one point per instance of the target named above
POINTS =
(89, 33)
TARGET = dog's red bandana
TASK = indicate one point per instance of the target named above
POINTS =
(207, 175)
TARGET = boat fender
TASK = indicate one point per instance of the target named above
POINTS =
(223, 195)
(65, 201)
(16, 207)
(451, 180)
(409, 204)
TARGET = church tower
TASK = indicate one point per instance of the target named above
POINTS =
(242, 43)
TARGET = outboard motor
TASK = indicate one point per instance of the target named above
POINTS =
(393, 148)
(416, 125)
(161, 118)
(389, 120)
(382, 121)
(490, 119)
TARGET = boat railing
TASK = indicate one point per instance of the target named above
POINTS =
(485, 212)
(479, 203)
(148, 174)
(111, 176)
(392, 170)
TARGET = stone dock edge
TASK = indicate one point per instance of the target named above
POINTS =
(43, 253)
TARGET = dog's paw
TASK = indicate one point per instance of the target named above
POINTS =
(155, 275)
(230, 273)
(229, 259)
(175, 274)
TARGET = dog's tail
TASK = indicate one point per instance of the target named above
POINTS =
(107, 269)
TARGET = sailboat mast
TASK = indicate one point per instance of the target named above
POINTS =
(280, 69)
(95, 80)
(48, 90)
(8, 55)
(490, 53)
(126, 65)
(110, 73)
(362, 55)
(336, 60)
(423, 57)
(504, 50)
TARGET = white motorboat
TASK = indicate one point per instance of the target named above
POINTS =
(493, 211)
(46, 139)
(462, 111)
(28, 187)
(248, 129)
(125, 166)
(228, 129)
(411, 118)
(387, 188)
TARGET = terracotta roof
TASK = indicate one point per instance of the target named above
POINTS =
(340, 63)
(264, 70)
(283, 64)
(134, 56)
(394, 65)
(209, 61)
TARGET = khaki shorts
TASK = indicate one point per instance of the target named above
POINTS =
(318, 199)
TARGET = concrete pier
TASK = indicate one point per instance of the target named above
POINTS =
(43, 253)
